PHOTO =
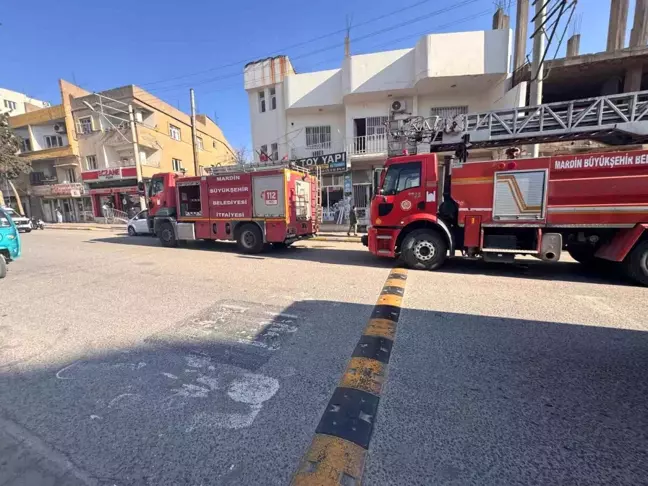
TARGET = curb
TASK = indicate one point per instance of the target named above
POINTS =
(336, 238)
(91, 228)
(336, 456)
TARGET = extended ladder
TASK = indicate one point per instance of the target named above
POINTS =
(615, 120)
(254, 167)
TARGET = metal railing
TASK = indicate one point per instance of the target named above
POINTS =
(615, 119)
(368, 145)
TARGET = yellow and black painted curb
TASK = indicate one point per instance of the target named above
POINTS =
(337, 453)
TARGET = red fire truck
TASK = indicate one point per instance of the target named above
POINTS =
(253, 205)
(593, 205)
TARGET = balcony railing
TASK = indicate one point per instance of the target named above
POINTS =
(368, 145)
(41, 179)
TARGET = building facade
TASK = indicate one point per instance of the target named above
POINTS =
(82, 150)
(15, 103)
(163, 139)
(49, 141)
(337, 118)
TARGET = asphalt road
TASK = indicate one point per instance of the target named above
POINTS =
(139, 364)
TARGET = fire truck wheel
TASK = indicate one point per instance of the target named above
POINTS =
(637, 263)
(424, 249)
(583, 254)
(281, 245)
(250, 239)
(3, 267)
(167, 235)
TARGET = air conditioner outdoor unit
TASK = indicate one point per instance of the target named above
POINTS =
(398, 106)
(59, 127)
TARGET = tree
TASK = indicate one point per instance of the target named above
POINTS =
(241, 155)
(11, 165)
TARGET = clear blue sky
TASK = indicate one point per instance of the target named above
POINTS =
(102, 45)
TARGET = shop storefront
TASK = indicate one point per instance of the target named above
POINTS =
(70, 199)
(336, 185)
(114, 188)
(344, 186)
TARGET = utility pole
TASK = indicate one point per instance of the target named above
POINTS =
(138, 161)
(193, 130)
(537, 64)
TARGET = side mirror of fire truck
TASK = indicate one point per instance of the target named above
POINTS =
(140, 186)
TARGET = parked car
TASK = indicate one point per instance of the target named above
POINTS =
(138, 224)
(22, 223)
(9, 242)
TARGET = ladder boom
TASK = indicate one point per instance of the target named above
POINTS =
(616, 120)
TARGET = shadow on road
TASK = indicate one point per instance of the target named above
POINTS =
(233, 394)
(325, 253)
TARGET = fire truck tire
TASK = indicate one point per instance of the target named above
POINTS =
(637, 263)
(167, 235)
(424, 249)
(250, 239)
(3, 267)
(281, 245)
(583, 254)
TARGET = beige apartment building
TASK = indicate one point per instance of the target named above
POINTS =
(84, 155)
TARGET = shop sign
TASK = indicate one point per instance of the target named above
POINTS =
(114, 190)
(73, 189)
(329, 163)
(348, 185)
(109, 174)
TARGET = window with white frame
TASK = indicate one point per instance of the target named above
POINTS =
(91, 162)
(176, 164)
(318, 138)
(262, 102)
(274, 151)
(85, 125)
(199, 143)
(70, 175)
(174, 132)
(10, 105)
(52, 141)
(448, 111)
(273, 98)
(264, 150)
(25, 145)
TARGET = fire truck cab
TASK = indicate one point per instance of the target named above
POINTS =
(594, 206)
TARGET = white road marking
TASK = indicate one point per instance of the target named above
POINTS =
(253, 388)
(195, 361)
(170, 375)
(120, 397)
(59, 372)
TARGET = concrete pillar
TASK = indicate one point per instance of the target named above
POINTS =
(617, 25)
(500, 20)
(573, 45)
(521, 25)
(638, 35)
(633, 79)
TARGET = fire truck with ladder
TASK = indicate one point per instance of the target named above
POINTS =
(252, 204)
(592, 205)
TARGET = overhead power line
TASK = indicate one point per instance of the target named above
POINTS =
(293, 46)
(454, 6)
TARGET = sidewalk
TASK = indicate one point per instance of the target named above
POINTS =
(25, 460)
(336, 236)
(86, 226)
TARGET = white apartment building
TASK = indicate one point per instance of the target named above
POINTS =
(343, 112)
(15, 103)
